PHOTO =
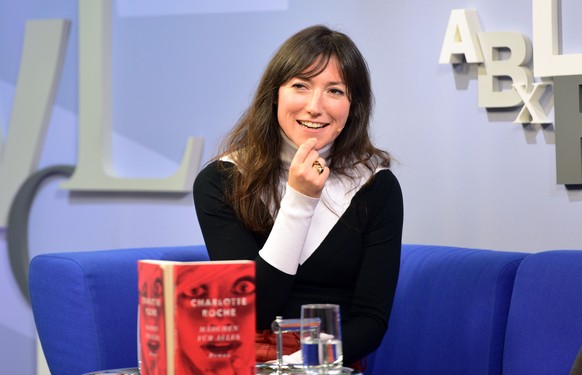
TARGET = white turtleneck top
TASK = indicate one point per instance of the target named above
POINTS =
(342, 248)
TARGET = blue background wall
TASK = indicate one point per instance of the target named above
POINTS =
(470, 177)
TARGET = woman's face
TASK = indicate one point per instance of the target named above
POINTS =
(315, 107)
(212, 336)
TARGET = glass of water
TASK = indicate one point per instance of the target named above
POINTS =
(321, 339)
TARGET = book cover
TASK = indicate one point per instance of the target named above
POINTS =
(209, 315)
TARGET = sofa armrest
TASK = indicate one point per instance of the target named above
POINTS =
(544, 327)
(85, 305)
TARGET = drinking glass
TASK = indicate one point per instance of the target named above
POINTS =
(321, 339)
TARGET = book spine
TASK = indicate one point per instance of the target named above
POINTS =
(151, 317)
(171, 327)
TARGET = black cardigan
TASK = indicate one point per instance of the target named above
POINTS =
(356, 265)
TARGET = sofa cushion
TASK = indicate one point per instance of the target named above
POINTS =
(544, 328)
(449, 313)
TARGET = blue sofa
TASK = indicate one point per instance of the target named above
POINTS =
(457, 311)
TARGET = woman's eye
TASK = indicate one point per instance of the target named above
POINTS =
(243, 287)
(298, 85)
(336, 91)
(196, 292)
(158, 288)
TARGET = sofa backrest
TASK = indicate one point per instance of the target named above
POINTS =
(544, 327)
(449, 313)
(456, 311)
(84, 310)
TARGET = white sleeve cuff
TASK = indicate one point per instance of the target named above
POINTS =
(285, 243)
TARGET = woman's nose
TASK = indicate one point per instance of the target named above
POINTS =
(314, 104)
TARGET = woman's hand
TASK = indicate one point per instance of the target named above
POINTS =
(305, 175)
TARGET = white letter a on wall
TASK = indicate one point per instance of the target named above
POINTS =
(461, 38)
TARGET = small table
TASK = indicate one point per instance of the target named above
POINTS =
(264, 370)
(261, 370)
(119, 371)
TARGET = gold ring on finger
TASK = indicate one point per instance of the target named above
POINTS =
(317, 167)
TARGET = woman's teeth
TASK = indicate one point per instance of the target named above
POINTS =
(311, 125)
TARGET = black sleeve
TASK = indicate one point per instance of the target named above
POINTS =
(226, 238)
(374, 291)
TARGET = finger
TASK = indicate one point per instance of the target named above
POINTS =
(304, 150)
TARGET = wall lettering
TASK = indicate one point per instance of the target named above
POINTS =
(461, 38)
(44, 49)
(568, 117)
(548, 60)
(494, 69)
(465, 43)
(94, 170)
(41, 63)
(40, 70)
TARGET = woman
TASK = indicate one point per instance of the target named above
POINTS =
(300, 189)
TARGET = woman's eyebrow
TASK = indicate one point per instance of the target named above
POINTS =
(309, 78)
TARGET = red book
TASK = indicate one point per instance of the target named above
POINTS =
(205, 319)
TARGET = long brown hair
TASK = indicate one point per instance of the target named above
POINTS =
(255, 141)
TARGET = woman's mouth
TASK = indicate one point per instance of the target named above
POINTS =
(312, 125)
(221, 347)
(153, 345)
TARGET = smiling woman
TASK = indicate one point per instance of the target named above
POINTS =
(314, 107)
(300, 189)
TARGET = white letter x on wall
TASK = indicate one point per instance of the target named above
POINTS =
(532, 111)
